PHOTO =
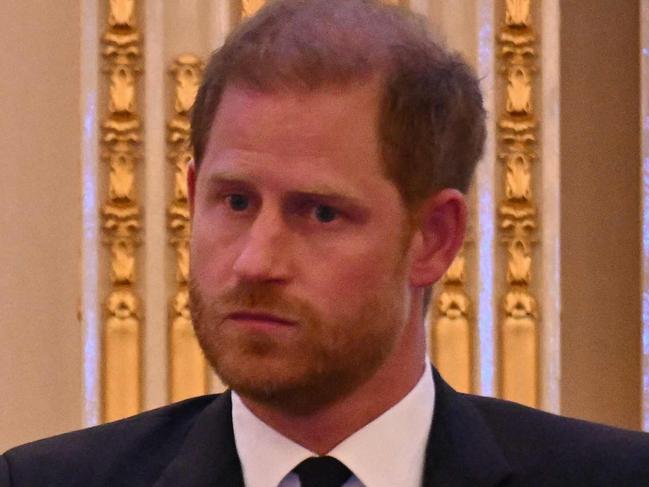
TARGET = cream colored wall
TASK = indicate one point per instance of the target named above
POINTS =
(40, 355)
(600, 147)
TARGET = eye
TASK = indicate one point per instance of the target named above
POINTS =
(325, 214)
(237, 202)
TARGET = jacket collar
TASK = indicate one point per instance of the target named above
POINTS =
(461, 449)
(208, 455)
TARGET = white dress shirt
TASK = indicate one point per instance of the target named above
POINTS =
(387, 452)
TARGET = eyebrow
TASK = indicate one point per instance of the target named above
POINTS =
(317, 191)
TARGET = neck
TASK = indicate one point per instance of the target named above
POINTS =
(325, 428)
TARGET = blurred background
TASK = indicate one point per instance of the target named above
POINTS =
(544, 305)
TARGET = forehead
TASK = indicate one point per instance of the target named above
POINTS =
(311, 116)
(333, 130)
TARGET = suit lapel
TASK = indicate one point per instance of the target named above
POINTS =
(461, 449)
(208, 456)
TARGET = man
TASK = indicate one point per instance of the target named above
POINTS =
(333, 142)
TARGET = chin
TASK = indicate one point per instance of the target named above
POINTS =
(296, 385)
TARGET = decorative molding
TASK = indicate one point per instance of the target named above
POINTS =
(452, 331)
(550, 195)
(154, 171)
(517, 134)
(121, 141)
(90, 315)
(644, 181)
(250, 7)
(485, 342)
(188, 369)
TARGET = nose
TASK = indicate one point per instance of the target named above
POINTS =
(264, 254)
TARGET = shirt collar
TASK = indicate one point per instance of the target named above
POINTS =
(267, 456)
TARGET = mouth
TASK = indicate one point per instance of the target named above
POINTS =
(258, 319)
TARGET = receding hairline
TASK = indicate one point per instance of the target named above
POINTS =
(367, 93)
(431, 113)
(374, 82)
(364, 35)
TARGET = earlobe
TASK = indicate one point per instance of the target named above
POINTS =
(441, 226)
(191, 186)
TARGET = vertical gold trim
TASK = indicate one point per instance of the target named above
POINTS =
(451, 333)
(644, 181)
(90, 302)
(517, 134)
(187, 367)
(485, 214)
(121, 140)
(549, 189)
(250, 7)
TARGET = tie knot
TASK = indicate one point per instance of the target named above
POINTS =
(322, 472)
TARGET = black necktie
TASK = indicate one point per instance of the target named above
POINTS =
(322, 472)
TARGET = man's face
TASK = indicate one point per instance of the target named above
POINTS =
(299, 249)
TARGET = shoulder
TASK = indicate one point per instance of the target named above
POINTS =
(545, 444)
(137, 447)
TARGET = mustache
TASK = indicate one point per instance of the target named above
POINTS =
(257, 297)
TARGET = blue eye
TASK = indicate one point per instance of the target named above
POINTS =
(238, 202)
(325, 214)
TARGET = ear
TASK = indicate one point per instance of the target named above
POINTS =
(191, 186)
(441, 223)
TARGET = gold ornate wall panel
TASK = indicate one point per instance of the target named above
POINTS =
(121, 140)
(456, 311)
(519, 333)
(188, 375)
(452, 328)
(644, 147)
(249, 7)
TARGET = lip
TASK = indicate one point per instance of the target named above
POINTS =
(260, 318)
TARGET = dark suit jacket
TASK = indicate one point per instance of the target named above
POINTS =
(474, 441)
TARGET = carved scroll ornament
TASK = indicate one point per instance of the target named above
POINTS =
(121, 139)
(187, 366)
(517, 133)
(452, 331)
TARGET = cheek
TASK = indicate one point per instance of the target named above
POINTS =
(350, 282)
(210, 253)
